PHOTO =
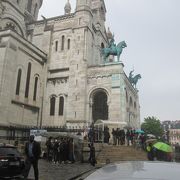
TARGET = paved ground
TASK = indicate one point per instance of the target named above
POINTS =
(51, 171)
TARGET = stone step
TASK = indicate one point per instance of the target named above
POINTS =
(120, 153)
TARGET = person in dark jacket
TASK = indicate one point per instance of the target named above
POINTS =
(150, 152)
(92, 157)
(32, 153)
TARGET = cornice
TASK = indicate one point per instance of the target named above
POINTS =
(25, 43)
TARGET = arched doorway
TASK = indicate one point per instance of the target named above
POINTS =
(99, 107)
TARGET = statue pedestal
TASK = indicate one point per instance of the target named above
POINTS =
(111, 58)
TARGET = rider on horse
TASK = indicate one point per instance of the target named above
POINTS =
(112, 45)
(131, 74)
(112, 49)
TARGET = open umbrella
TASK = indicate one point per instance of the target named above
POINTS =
(151, 140)
(151, 135)
(139, 131)
(163, 147)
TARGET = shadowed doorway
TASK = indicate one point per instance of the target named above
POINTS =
(100, 107)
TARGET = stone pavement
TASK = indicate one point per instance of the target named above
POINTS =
(51, 171)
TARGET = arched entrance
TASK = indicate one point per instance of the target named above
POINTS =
(99, 106)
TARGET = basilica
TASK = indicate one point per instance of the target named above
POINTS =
(53, 73)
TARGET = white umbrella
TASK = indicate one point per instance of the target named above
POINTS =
(151, 135)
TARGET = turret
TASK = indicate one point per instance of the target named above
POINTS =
(15, 14)
(109, 34)
(67, 8)
(32, 9)
(83, 5)
(99, 11)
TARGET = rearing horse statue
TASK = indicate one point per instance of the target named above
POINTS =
(134, 80)
(113, 49)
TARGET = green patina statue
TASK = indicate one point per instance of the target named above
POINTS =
(134, 79)
(112, 49)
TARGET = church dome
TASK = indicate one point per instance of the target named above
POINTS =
(109, 34)
(67, 8)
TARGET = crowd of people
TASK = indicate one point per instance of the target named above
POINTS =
(60, 150)
(128, 137)
(119, 137)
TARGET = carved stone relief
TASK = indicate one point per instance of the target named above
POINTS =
(57, 81)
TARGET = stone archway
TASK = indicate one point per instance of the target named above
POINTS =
(99, 106)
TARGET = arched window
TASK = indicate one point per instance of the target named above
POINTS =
(61, 106)
(100, 107)
(131, 102)
(35, 9)
(52, 106)
(126, 96)
(29, 5)
(134, 105)
(28, 80)
(56, 46)
(102, 45)
(69, 43)
(35, 89)
(62, 43)
(18, 81)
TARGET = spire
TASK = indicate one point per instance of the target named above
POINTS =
(109, 34)
(67, 8)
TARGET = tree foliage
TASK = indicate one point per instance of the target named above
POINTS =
(152, 125)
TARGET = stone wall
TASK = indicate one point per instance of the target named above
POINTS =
(17, 54)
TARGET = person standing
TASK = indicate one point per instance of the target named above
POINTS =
(128, 137)
(32, 152)
(49, 148)
(114, 136)
(150, 153)
(55, 151)
(92, 157)
(71, 150)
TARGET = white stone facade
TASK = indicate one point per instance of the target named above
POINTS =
(65, 55)
(174, 136)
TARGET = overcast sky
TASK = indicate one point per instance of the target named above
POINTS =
(151, 29)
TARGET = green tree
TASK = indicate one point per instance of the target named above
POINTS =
(152, 125)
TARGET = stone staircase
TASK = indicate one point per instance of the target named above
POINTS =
(110, 154)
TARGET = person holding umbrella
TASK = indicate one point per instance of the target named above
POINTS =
(150, 152)
(163, 151)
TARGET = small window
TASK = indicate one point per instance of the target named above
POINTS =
(52, 106)
(126, 96)
(131, 102)
(56, 46)
(28, 80)
(102, 45)
(61, 106)
(69, 44)
(35, 89)
(18, 82)
(62, 43)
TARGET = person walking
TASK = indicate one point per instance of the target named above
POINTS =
(32, 153)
